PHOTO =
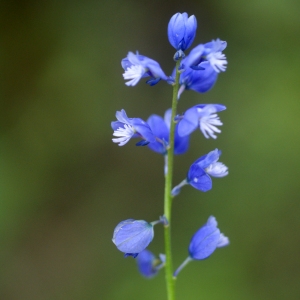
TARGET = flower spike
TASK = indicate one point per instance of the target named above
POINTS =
(168, 136)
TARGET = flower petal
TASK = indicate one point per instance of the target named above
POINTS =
(198, 178)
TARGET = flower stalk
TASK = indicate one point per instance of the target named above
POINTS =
(170, 282)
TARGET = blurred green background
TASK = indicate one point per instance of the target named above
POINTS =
(65, 185)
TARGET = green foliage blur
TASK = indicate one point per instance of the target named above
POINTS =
(64, 185)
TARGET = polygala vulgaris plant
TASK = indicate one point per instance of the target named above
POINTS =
(169, 135)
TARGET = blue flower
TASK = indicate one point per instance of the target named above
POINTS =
(201, 67)
(211, 52)
(182, 31)
(133, 236)
(200, 81)
(203, 116)
(204, 242)
(161, 129)
(148, 264)
(198, 174)
(137, 66)
(126, 128)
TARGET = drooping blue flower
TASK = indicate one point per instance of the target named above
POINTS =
(148, 264)
(182, 31)
(204, 242)
(126, 128)
(137, 66)
(133, 236)
(161, 129)
(203, 116)
(211, 52)
(200, 171)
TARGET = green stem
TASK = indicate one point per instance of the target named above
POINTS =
(168, 197)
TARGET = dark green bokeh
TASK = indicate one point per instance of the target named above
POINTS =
(65, 185)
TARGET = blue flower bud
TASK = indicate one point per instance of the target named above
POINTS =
(148, 264)
(182, 31)
(133, 236)
(204, 242)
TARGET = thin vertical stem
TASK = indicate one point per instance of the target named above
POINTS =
(168, 197)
